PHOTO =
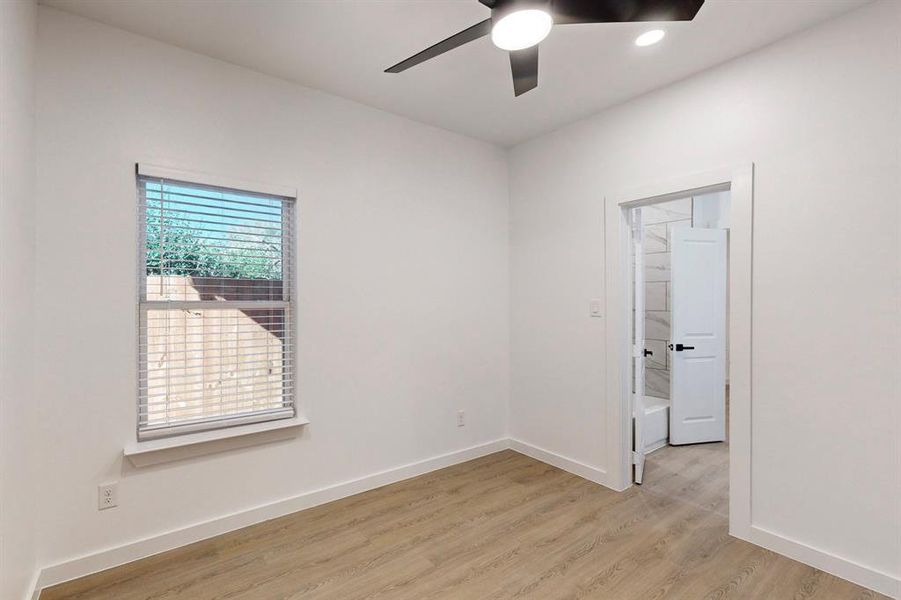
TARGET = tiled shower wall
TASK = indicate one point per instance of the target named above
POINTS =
(658, 222)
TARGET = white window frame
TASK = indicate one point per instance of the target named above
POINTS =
(289, 410)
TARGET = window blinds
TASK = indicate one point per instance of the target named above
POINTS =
(216, 344)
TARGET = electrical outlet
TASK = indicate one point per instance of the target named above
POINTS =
(461, 418)
(107, 495)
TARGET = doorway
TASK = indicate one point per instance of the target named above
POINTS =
(679, 326)
(620, 333)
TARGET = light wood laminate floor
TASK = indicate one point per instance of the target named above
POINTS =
(502, 526)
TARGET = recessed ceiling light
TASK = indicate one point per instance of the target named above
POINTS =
(521, 29)
(649, 38)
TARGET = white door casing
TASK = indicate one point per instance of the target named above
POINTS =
(698, 336)
(638, 404)
(618, 401)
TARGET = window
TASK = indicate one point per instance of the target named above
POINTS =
(216, 345)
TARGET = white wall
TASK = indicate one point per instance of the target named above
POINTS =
(402, 279)
(404, 295)
(17, 535)
(818, 114)
(711, 210)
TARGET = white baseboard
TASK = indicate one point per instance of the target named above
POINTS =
(35, 585)
(119, 555)
(861, 575)
(655, 446)
(824, 561)
(562, 462)
(105, 559)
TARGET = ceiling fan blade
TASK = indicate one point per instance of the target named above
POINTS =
(622, 11)
(455, 41)
(524, 64)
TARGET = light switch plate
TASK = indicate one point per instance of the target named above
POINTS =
(596, 308)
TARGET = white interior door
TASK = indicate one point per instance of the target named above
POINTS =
(638, 404)
(698, 344)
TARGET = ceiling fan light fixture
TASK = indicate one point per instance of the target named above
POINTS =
(521, 29)
(649, 38)
(518, 26)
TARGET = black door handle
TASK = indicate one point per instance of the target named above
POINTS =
(648, 353)
(680, 347)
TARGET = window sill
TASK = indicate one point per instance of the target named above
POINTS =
(154, 452)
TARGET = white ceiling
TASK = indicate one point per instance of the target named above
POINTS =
(343, 46)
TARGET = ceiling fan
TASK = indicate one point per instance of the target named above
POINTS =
(519, 25)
